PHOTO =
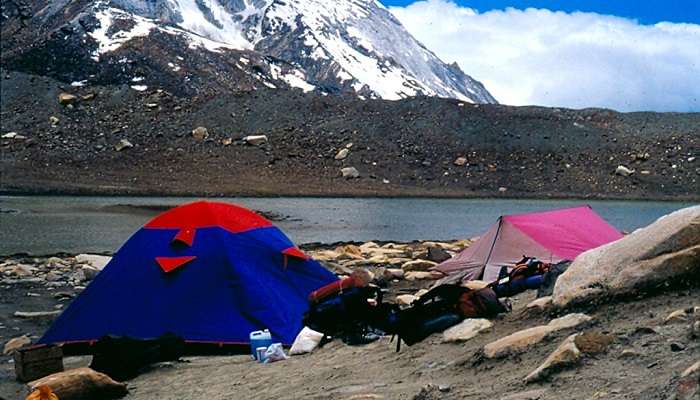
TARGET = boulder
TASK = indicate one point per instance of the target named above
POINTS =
(16, 344)
(342, 154)
(81, 383)
(123, 145)
(66, 99)
(541, 304)
(566, 355)
(418, 265)
(96, 261)
(521, 340)
(648, 257)
(200, 133)
(466, 330)
(255, 140)
(350, 172)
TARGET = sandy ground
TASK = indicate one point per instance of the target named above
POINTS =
(338, 371)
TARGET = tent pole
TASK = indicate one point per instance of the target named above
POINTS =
(493, 244)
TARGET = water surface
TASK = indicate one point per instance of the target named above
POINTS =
(47, 225)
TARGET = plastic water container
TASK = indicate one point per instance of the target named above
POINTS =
(259, 339)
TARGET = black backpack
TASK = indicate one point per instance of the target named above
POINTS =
(441, 308)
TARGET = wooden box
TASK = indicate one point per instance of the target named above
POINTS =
(37, 362)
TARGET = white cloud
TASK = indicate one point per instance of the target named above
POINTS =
(576, 60)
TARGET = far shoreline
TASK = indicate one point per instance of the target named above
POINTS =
(361, 194)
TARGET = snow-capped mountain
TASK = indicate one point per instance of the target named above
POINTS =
(329, 46)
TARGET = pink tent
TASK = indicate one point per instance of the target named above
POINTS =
(551, 236)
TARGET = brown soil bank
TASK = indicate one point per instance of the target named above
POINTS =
(400, 148)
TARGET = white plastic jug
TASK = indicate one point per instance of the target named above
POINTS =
(259, 339)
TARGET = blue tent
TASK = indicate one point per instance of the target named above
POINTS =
(207, 272)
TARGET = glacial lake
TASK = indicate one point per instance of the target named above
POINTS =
(41, 225)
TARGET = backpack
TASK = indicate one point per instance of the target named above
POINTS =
(440, 308)
(346, 313)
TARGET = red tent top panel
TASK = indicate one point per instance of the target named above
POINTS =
(206, 214)
(567, 232)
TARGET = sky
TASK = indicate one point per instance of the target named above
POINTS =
(641, 55)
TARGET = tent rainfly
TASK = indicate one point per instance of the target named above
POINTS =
(207, 272)
(551, 236)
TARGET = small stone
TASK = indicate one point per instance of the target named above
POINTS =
(502, 189)
(342, 154)
(14, 136)
(393, 273)
(593, 342)
(676, 347)
(437, 254)
(538, 394)
(405, 299)
(94, 260)
(122, 145)
(255, 140)
(89, 272)
(16, 344)
(421, 275)
(444, 388)
(227, 141)
(350, 173)
(542, 303)
(53, 120)
(623, 171)
(418, 265)
(566, 355)
(460, 161)
(691, 370)
(51, 276)
(151, 105)
(88, 96)
(66, 99)
(36, 314)
(200, 133)
(466, 330)
(676, 317)
(630, 353)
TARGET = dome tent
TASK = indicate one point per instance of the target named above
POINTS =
(207, 272)
(551, 236)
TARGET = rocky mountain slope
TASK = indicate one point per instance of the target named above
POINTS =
(195, 46)
(113, 139)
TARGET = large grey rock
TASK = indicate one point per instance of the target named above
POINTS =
(521, 340)
(668, 248)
